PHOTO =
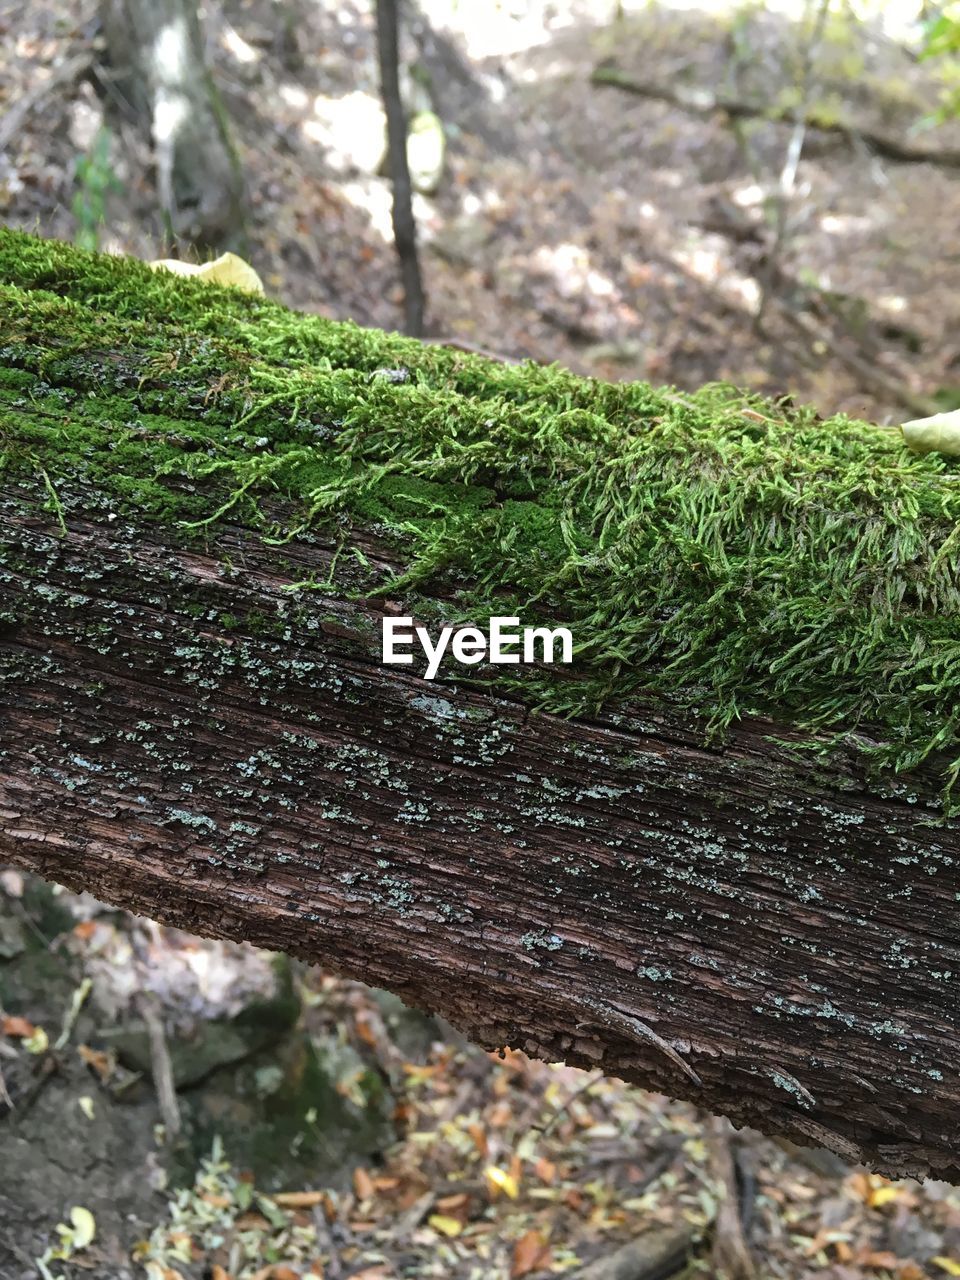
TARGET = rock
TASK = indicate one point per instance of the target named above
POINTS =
(13, 938)
(201, 1047)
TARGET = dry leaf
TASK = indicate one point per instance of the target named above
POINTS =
(446, 1226)
(448, 1204)
(874, 1190)
(99, 1062)
(530, 1253)
(37, 1043)
(298, 1199)
(84, 1228)
(499, 1180)
(479, 1137)
(252, 1221)
(228, 269)
(16, 1028)
(363, 1187)
(878, 1260)
(365, 1031)
(217, 1273)
(937, 434)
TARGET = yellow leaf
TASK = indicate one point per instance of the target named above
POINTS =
(84, 1226)
(937, 434)
(948, 1265)
(39, 1042)
(882, 1195)
(500, 1180)
(446, 1226)
(228, 269)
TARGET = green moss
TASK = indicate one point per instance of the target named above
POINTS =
(733, 554)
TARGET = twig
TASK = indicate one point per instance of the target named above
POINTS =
(870, 372)
(653, 1256)
(334, 1267)
(408, 1221)
(47, 1066)
(731, 1253)
(73, 1013)
(5, 1099)
(788, 174)
(162, 1067)
(566, 1105)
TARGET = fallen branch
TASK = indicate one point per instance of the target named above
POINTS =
(161, 1065)
(71, 69)
(731, 1255)
(655, 1255)
(211, 506)
(705, 102)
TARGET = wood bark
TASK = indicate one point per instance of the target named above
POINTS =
(773, 939)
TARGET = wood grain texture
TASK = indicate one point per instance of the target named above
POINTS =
(749, 927)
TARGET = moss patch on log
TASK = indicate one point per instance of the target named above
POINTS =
(733, 554)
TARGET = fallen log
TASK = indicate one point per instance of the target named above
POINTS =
(715, 854)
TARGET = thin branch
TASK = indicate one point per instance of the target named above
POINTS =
(787, 185)
(162, 1067)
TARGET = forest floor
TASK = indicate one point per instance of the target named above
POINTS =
(625, 237)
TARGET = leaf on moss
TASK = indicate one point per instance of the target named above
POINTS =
(228, 269)
(937, 434)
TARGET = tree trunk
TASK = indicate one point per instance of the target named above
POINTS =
(195, 722)
(155, 48)
(404, 223)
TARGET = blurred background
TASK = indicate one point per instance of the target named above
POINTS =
(675, 190)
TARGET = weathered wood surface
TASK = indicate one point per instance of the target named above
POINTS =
(767, 936)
